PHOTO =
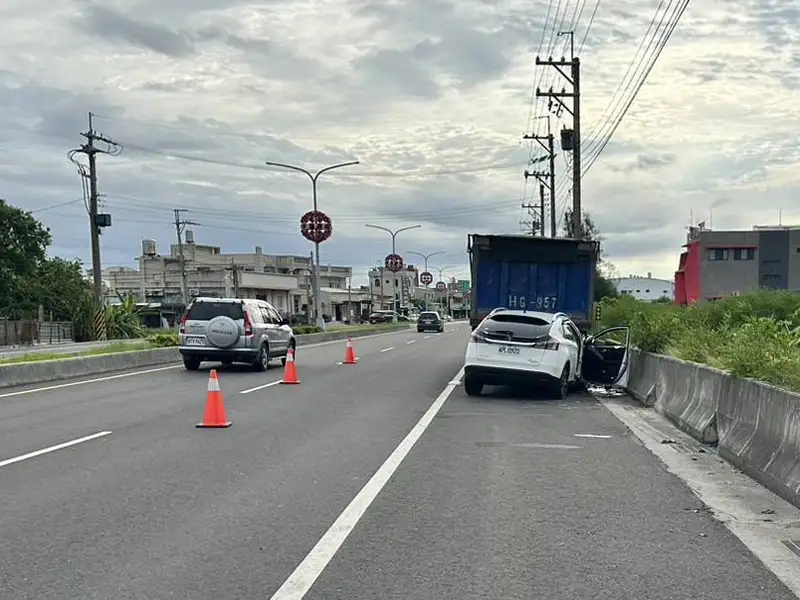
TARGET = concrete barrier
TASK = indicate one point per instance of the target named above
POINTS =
(684, 392)
(756, 426)
(759, 433)
(26, 373)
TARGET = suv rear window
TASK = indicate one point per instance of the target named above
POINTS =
(428, 315)
(205, 311)
(515, 328)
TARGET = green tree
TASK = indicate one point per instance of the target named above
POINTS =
(60, 287)
(23, 247)
(603, 287)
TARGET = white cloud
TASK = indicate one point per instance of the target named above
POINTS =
(427, 94)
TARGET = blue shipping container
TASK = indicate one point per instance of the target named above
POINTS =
(551, 287)
(532, 273)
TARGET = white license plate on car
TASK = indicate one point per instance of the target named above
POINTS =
(195, 341)
(509, 350)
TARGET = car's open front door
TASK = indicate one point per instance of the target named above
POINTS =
(606, 357)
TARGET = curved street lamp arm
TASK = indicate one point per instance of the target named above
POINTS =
(337, 166)
(290, 167)
(406, 229)
(425, 256)
(386, 229)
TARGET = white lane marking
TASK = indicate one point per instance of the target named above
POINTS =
(17, 459)
(387, 349)
(546, 446)
(260, 387)
(85, 381)
(593, 435)
(60, 386)
(734, 499)
(311, 567)
(426, 337)
(411, 342)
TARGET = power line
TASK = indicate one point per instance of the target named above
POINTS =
(626, 81)
(600, 140)
(339, 217)
(54, 206)
(666, 35)
(588, 27)
(345, 174)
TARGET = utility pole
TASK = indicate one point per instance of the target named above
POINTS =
(180, 225)
(541, 209)
(235, 268)
(570, 138)
(546, 179)
(97, 220)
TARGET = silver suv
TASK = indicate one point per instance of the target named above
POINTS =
(230, 330)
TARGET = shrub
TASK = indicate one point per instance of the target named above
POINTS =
(163, 339)
(755, 335)
(306, 329)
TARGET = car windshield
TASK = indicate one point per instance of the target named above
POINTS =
(515, 328)
(205, 311)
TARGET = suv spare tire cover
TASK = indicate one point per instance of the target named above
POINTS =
(222, 331)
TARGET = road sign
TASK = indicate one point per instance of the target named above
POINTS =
(441, 286)
(393, 263)
(426, 278)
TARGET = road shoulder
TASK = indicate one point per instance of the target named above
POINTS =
(765, 523)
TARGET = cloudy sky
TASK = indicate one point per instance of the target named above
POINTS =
(432, 96)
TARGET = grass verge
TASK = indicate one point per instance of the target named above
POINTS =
(755, 335)
(111, 348)
(167, 339)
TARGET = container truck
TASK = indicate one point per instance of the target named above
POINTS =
(532, 273)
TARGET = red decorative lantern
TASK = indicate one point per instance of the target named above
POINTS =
(393, 263)
(316, 226)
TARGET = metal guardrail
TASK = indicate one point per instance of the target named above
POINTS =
(29, 332)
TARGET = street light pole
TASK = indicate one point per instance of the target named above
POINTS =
(425, 257)
(442, 270)
(393, 233)
(316, 267)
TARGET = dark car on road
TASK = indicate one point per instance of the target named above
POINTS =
(430, 321)
(386, 316)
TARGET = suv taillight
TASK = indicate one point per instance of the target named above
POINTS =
(477, 337)
(248, 324)
(546, 344)
(182, 322)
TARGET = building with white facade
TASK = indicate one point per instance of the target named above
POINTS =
(402, 286)
(644, 288)
(282, 280)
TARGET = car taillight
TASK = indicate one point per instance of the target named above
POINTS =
(478, 338)
(182, 322)
(248, 324)
(548, 344)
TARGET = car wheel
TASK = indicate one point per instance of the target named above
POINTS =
(472, 386)
(191, 363)
(560, 388)
(262, 360)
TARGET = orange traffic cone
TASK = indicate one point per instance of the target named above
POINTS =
(215, 415)
(290, 372)
(349, 354)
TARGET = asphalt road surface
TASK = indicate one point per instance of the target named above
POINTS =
(501, 497)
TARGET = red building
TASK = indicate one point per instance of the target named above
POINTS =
(687, 277)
